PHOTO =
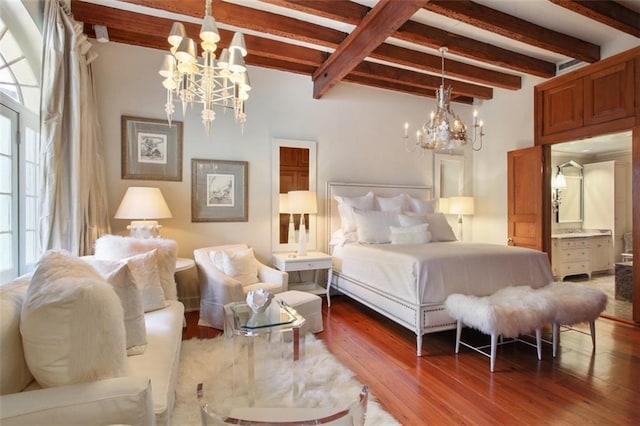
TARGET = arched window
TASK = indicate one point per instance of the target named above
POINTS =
(20, 52)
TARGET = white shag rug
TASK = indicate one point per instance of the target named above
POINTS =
(211, 362)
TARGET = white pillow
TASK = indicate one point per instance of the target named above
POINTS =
(346, 206)
(372, 226)
(411, 219)
(416, 234)
(72, 324)
(397, 203)
(440, 228)
(118, 274)
(421, 206)
(240, 264)
(114, 247)
(144, 269)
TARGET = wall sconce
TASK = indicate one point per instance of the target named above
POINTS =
(558, 184)
(143, 203)
(302, 202)
(461, 206)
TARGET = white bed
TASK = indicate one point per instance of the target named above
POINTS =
(408, 283)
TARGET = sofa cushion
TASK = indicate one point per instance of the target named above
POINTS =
(72, 324)
(14, 372)
(114, 247)
(119, 275)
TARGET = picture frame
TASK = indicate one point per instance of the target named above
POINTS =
(219, 190)
(151, 149)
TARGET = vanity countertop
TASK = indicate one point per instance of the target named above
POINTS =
(582, 234)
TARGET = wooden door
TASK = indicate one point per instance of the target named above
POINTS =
(525, 199)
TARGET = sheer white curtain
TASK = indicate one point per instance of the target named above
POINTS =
(74, 201)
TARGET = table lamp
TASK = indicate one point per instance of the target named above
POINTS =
(284, 209)
(143, 203)
(302, 202)
(460, 206)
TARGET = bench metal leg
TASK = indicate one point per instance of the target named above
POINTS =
(539, 342)
(555, 337)
(494, 344)
(458, 334)
(592, 325)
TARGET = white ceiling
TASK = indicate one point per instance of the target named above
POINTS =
(618, 142)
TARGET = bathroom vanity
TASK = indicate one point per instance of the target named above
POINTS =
(582, 252)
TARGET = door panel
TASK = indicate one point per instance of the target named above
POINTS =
(525, 197)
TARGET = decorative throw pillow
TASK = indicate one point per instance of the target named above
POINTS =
(440, 228)
(72, 324)
(421, 206)
(115, 247)
(144, 269)
(373, 226)
(412, 219)
(397, 203)
(346, 206)
(241, 264)
(118, 274)
(416, 234)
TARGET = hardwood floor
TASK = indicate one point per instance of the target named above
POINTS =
(580, 386)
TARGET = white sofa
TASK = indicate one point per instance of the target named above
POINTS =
(145, 397)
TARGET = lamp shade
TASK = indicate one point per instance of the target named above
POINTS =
(284, 203)
(143, 203)
(461, 205)
(443, 205)
(302, 202)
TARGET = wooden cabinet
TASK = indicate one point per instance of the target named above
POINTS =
(597, 99)
(581, 255)
(601, 254)
(570, 256)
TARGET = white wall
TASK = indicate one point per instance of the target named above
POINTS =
(358, 131)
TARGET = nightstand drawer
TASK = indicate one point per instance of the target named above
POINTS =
(301, 264)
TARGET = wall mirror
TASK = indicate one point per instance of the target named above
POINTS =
(448, 175)
(570, 209)
(293, 167)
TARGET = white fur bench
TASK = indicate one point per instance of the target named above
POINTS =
(513, 311)
(574, 304)
(509, 312)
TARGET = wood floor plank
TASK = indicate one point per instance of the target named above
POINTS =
(580, 386)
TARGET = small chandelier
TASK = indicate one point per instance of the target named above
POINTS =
(445, 131)
(212, 82)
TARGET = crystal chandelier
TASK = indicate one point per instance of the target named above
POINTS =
(445, 131)
(212, 82)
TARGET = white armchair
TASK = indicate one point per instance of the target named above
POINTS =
(226, 274)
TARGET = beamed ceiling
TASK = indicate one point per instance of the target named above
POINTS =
(389, 44)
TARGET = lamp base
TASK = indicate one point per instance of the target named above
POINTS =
(144, 229)
(302, 238)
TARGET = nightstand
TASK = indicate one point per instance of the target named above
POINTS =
(312, 261)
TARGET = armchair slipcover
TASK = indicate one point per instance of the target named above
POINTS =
(218, 289)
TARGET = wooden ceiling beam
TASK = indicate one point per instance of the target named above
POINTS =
(417, 79)
(610, 13)
(428, 36)
(515, 28)
(383, 20)
(390, 53)
(125, 27)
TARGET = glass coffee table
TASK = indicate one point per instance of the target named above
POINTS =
(278, 318)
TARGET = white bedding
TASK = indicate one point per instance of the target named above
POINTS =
(428, 273)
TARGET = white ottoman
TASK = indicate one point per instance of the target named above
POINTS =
(306, 304)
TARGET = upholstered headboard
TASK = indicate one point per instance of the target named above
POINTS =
(358, 189)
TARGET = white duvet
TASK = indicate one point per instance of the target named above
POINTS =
(428, 273)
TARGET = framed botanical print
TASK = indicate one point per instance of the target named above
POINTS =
(151, 149)
(219, 191)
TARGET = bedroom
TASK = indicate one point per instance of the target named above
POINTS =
(346, 125)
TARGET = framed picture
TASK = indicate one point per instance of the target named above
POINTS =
(219, 191)
(151, 149)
